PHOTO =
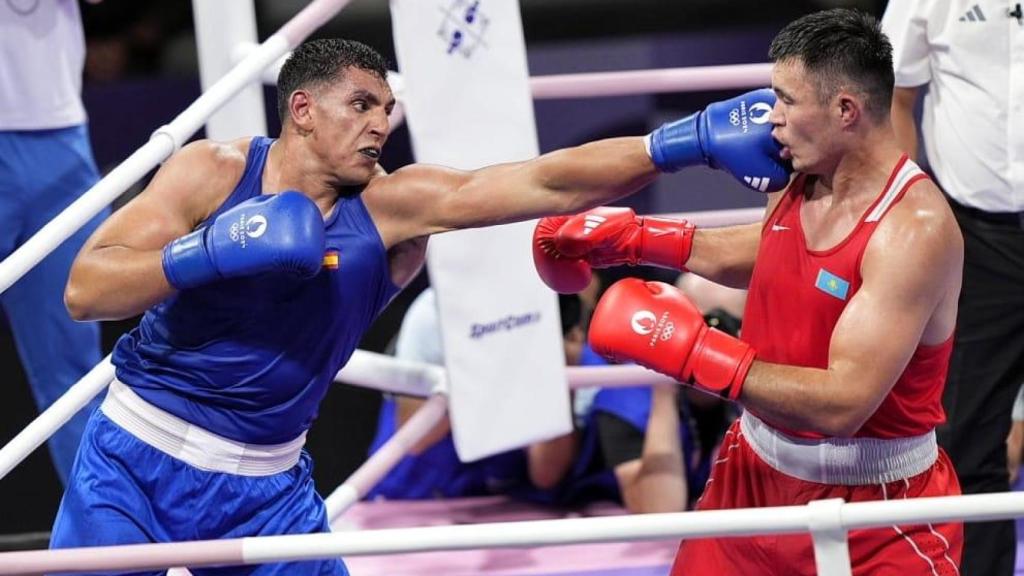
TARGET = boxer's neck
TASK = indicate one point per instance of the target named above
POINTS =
(863, 170)
(290, 166)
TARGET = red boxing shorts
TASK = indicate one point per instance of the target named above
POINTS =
(759, 466)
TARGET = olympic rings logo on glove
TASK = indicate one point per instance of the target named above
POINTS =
(670, 329)
(734, 116)
(247, 228)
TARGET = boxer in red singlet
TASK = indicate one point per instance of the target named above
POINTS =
(853, 280)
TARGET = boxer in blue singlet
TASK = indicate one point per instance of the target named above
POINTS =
(259, 264)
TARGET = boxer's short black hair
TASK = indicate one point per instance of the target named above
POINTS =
(319, 62)
(842, 49)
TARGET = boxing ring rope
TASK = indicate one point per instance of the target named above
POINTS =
(636, 82)
(40, 429)
(604, 84)
(831, 516)
(384, 459)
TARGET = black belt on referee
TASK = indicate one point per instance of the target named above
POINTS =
(1015, 219)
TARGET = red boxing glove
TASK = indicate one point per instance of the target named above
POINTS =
(561, 274)
(612, 236)
(656, 325)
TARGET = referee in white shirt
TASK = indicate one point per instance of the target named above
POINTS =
(967, 57)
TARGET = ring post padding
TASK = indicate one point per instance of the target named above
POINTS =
(831, 547)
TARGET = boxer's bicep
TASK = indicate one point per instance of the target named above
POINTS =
(118, 273)
(185, 190)
(905, 276)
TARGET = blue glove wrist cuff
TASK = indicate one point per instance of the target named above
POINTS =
(186, 262)
(677, 145)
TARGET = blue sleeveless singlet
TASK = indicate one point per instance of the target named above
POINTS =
(251, 358)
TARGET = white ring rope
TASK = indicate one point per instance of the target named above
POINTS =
(40, 429)
(635, 82)
(715, 523)
(604, 84)
(384, 459)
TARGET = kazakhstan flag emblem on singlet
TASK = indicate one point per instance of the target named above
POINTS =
(831, 284)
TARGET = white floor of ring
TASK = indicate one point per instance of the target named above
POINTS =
(609, 559)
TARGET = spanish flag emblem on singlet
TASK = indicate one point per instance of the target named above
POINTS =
(331, 260)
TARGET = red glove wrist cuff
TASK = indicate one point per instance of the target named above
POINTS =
(666, 242)
(720, 363)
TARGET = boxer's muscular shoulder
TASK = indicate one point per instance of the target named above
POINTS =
(202, 175)
(920, 226)
(397, 201)
(922, 213)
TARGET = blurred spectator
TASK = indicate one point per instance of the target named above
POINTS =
(433, 469)
(126, 39)
(643, 439)
(708, 296)
(633, 444)
(1015, 441)
(45, 164)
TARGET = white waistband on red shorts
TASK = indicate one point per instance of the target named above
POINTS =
(192, 444)
(844, 461)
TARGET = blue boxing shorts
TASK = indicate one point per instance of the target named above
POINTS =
(123, 490)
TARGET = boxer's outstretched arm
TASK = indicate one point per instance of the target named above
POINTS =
(418, 200)
(421, 200)
(118, 273)
(726, 255)
(566, 248)
(911, 270)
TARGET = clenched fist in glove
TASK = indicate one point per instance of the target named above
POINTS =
(734, 135)
(566, 248)
(269, 233)
(656, 325)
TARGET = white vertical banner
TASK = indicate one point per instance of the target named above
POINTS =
(468, 105)
(221, 26)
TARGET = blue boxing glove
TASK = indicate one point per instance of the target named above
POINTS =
(281, 232)
(734, 135)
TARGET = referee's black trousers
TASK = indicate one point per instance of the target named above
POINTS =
(986, 370)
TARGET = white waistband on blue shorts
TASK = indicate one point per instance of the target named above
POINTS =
(843, 461)
(194, 445)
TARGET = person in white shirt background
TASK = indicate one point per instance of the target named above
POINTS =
(46, 162)
(966, 58)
